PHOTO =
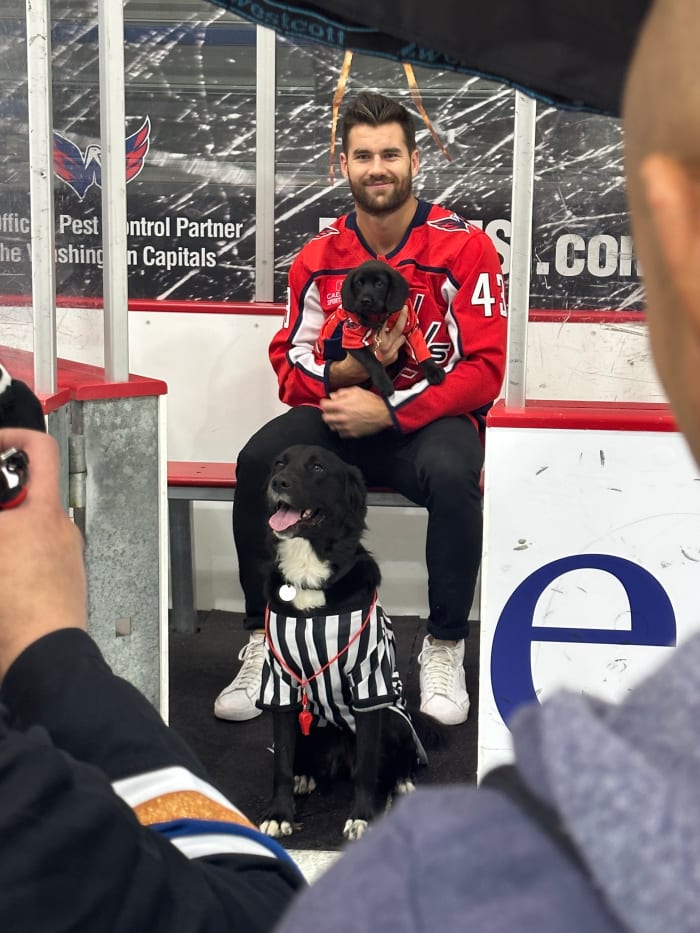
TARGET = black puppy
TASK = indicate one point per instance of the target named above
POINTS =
(372, 296)
(330, 673)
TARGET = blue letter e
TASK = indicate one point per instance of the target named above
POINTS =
(653, 622)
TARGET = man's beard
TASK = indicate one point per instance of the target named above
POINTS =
(367, 202)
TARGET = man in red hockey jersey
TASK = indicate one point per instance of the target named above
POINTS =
(424, 440)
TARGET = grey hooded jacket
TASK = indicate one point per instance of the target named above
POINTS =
(623, 784)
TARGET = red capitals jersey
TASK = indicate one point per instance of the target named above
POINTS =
(456, 287)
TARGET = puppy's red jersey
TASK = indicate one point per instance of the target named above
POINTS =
(354, 334)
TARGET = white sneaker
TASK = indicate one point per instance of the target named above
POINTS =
(237, 701)
(443, 689)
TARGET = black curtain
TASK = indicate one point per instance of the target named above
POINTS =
(571, 53)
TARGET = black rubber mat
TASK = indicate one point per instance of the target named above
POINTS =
(238, 755)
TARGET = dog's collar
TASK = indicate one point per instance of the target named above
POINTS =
(287, 591)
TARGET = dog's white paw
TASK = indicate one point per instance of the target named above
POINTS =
(275, 829)
(304, 784)
(355, 829)
(401, 788)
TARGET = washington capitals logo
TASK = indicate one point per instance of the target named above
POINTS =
(81, 170)
(327, 231)
(450, 224)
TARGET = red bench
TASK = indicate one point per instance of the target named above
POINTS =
(194, 481)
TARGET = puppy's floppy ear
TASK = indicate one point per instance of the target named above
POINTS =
(397, 292)
(347, 291)
(356, 491)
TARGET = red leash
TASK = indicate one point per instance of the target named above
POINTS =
(305, 717)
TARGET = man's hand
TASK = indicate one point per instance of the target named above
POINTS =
(350, 372)
(355, 412)
(390, 340)
(42, 575)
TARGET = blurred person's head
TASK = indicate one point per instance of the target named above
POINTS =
(662, 155)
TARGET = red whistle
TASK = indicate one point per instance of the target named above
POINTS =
(305, 720)
(305, 717)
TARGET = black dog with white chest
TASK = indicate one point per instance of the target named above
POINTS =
(330, 673)
(372, 296)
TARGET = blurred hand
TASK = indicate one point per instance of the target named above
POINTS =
(42, 575)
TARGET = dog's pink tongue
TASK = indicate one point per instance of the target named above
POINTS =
(283, 518)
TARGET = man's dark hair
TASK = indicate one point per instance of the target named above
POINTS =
(376, 110)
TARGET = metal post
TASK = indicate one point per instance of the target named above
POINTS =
(265, 165)
(112, 131)
(521, 248)
(41, 194)
(184, 613)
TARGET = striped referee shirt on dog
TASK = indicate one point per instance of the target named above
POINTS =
(364, 677)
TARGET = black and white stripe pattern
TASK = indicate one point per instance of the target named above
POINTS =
(364, 677)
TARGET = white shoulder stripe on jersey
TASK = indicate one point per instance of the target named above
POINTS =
(5, 379)
(144, 787)
(311, 318)
(238, 835)
(202, 846)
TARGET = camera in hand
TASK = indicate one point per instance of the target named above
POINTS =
(14, 473)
